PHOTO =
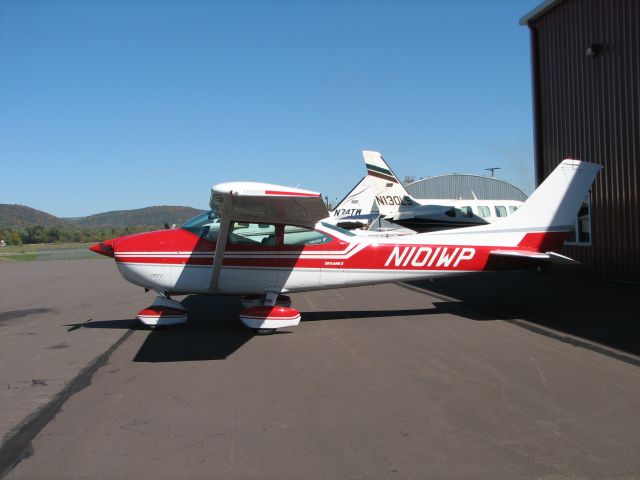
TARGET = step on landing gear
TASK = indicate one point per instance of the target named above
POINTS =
(163, 312)
(264, 315)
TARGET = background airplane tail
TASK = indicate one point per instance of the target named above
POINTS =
(359, 201)
(389, 194)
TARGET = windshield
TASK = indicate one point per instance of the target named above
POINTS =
(205, 225)
(338, 229)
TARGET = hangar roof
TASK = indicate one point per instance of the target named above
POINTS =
(464, 187)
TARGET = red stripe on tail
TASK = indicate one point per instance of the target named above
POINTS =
(543, 241)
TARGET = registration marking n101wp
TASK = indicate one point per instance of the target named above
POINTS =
(427, 256)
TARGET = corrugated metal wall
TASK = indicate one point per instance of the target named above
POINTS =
(588, 107)
(462, 185)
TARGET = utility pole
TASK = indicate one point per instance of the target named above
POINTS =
(492, 170)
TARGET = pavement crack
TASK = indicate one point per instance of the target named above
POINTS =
(16, 446)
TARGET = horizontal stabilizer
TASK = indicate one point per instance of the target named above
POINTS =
(539, 257)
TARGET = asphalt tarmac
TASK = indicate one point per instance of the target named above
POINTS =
(376, 382)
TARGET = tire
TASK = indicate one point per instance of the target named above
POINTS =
(264, 331)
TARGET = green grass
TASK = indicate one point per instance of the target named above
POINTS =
(30, 252)
(22, 257)
(35, 247)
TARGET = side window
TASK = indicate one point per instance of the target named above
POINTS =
(580, 233)
(500, 211)
(252, 234)
(466, 212)
(301, 236)
(484, 211)
(512, 208)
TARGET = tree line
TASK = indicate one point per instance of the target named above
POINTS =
(41, 234)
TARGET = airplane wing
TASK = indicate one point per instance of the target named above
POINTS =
(266, 203)
(260, 203)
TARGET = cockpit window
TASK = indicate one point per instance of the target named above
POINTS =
(244, 233)
(467, 212)
(205, 225)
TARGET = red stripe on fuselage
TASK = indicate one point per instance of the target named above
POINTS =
(373, 257)
(291, 194)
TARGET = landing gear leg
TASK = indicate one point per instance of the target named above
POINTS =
(270, 300)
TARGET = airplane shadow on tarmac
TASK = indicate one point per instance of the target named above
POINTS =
(439, 308)
(597, 311)
(214, 330)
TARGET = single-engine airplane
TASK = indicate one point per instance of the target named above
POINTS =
(262, 241)
(427, 215)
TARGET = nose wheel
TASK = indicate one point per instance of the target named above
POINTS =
(163, 312)
(272, 312)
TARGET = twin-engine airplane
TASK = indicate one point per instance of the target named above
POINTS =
(427, 215)
(262, 241)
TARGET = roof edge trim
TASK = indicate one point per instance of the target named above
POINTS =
(540, 10)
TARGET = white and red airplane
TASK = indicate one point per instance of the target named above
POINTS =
(262, 241)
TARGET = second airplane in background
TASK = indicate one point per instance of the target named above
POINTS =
(397, 206)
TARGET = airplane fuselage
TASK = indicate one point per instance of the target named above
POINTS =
(180, 261)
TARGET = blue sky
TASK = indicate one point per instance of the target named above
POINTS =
(114, 105)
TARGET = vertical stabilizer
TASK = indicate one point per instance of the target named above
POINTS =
(359, 201)
(389, 194)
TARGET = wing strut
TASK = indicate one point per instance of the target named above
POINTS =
(221, 242)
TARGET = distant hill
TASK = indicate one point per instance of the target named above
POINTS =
(153, 216)
(20, 216)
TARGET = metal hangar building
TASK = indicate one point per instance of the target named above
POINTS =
(585, 59)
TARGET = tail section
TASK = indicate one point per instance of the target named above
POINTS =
(542, 223)
(359, 201)
(389, 194)
(553, 206)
